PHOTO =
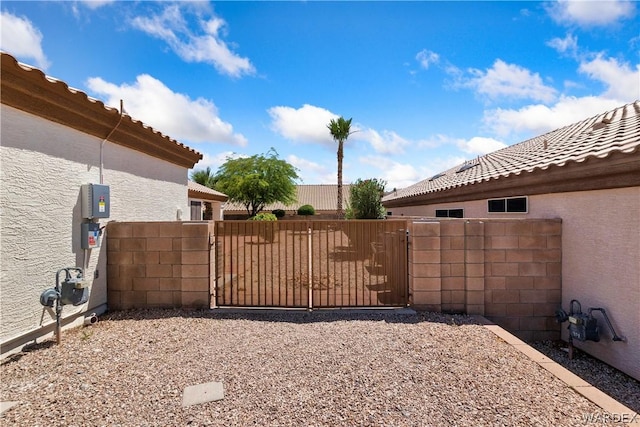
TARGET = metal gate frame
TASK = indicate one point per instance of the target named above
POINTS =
(311, 264)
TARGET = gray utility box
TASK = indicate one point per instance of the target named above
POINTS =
(95, 201)
(90, 235)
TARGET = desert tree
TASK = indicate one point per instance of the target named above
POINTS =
(257, 181)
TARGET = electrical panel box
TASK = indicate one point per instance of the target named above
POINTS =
(95, 201)
(90, 235)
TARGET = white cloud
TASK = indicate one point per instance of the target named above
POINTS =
(426, 57)
(480, 145)
(622, 82)
(622, 86)
(174, 114)
(435, 141)
(537, 119)
(305, 124)
(312, 172)
(206, 47)
(21, 39)
(216, 160)
(510, 81)
(309, 124)
(387, 142)
(397, 175)
(589, 13)
(566, 46)
(306, 165)
(96, 4)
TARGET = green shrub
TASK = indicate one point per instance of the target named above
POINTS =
(306, 210)
(264, 216)
(267, 231)
(279, 213)
(366, 196)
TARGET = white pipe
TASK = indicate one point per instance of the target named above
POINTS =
(91, 319)
(105, 140)
(310, 270)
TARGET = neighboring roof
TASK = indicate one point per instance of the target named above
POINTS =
(606, 136)
(29, 89)
(322, 197)
(200, 191)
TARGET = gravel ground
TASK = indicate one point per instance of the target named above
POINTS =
(285, 369)
(606, 378)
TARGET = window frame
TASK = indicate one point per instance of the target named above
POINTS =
(505, 201)
(448, 211)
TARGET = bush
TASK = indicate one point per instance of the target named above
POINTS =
(306, 210)
(267, 231)
(366, 196)
(264, 216)
(279, 213)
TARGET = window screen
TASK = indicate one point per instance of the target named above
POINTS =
(511, 204)
(456, 213)
(517, 204)
(497, 205)
(449, 213)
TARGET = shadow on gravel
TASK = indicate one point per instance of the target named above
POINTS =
(400, 315)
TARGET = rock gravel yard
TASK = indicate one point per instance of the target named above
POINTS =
(285, 369)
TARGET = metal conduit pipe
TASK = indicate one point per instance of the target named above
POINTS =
(106, 139)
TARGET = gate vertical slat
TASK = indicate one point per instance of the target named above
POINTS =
(331, 285)
(247, 240)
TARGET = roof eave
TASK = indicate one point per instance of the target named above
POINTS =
(30, 90)
(618, 170)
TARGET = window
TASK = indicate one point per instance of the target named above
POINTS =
(508, 204)
(196, 210)
(449, 213)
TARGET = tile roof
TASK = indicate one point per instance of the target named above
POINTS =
(204, 192)
(617, 130)
(28, 89)
(322, 197)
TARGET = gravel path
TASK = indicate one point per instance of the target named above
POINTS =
(285, 369)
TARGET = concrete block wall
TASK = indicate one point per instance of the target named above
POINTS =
(508, 270)
(158, 264)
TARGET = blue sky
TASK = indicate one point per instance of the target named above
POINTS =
(428, 84)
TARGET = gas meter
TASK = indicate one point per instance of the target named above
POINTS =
(584, 327)
(72, 289)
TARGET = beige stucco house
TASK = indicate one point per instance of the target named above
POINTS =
(323, 198)
(54, 140)
(205, 203)
(588, 175)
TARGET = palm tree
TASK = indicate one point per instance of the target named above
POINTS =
(340, 130)
(203, 177)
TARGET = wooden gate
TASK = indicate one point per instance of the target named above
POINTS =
(311, 264)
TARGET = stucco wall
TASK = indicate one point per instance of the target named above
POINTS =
(43, 166)
(601, 265)
(600, 260)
